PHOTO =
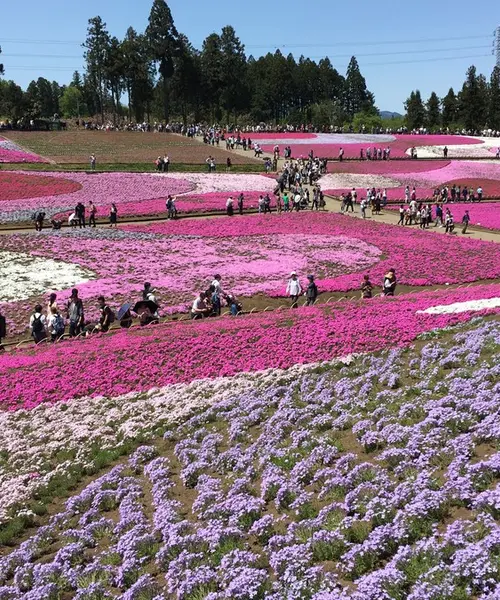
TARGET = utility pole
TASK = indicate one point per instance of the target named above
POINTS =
(496, 45)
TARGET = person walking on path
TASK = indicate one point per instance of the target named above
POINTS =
(311, 292)
(92, 213)
(390, 283)
(439, 216)
(362, 206)
(80, 214)
(279, 204)
(294, 289)
(75, 314)
(448, 222)
(286, 202)
(113, 215)
(401, 215)
(465, 221)
(445, 152)
(92, 162)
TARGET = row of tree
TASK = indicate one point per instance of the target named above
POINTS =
(476, 106)
(162, 76)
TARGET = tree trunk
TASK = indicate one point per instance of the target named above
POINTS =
(129, 93)
(165, 99)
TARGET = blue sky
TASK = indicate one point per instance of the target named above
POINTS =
(315, 28)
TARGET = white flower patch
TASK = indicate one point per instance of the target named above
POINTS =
(328, 138)
(461, 307)
(336, 181)
(206, 183)
(483, 150)
(24, 275)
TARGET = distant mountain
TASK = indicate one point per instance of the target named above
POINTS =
(387, 114)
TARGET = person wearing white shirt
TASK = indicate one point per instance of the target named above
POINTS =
(294, 289)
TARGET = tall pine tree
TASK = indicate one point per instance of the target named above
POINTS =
(96, 51)
(433, 111)
(494, 100)
(234, 70)
(473, 101)
(449, 113)
(163, 41)
(357, 98)
(415, 111)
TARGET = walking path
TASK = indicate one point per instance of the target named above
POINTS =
(391, 217)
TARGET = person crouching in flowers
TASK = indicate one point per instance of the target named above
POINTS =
(366, 287)
(311, 292)
(390, 283)
(201, 307)
(294, 289)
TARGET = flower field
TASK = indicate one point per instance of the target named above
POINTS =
(21, 193)
(327, 145)
(12, 153)
(180, 352)
(370, 478)
(342, 451)
(254, 253)
(425, 176)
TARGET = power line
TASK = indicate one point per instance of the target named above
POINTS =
(377, 43)
(338, 43)
(391, 53)
(368, 64)
(424, 60)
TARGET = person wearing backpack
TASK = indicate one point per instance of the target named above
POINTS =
(107, 315)
(75, 314)
(37, 324)
(55, 324)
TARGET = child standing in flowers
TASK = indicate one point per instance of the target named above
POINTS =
(312, 291)
(366, 287)
(294, 289)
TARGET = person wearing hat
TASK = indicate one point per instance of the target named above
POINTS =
(312, 291)
(148, 293)
(293, 289)
(390, 283)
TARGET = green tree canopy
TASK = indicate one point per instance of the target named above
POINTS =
(163, 40)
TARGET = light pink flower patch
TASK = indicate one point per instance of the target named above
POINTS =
(12, 153)
(101, 188)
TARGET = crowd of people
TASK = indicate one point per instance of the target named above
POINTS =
(51, 322)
